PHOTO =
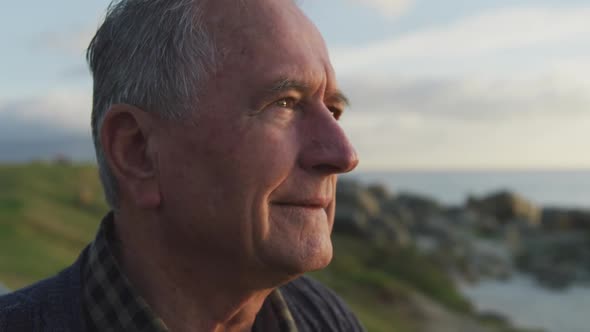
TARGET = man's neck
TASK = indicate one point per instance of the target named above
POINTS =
(189, 293)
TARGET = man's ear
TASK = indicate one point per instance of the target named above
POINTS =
(127, 139)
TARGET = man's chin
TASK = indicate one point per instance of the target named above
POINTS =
(311, 258)
(323, 257)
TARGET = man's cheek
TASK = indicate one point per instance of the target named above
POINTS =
(272, 148)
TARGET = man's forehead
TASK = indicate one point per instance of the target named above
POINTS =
(228, 14)
(271, 43)
(241, 27)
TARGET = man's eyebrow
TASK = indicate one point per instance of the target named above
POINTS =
(338, 97)
(283, 85)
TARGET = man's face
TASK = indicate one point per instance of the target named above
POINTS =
(251, 175)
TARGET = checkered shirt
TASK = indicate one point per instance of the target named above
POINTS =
(111, 304)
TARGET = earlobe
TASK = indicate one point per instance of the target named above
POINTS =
(127, 139)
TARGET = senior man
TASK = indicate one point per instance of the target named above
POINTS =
(215, 127)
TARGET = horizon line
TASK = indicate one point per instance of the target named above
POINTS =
(475, 169)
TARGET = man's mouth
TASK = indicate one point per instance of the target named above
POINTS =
(312, 203)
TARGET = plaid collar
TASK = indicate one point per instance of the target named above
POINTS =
(111, 303)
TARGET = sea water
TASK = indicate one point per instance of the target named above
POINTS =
(528, 305)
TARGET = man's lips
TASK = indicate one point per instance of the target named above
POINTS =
(311, 203)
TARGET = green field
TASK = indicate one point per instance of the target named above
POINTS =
(49, 212)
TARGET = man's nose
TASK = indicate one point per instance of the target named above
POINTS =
(326, 148)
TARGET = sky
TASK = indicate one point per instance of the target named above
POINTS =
(477, 84)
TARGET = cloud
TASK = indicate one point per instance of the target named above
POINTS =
(469, 122)
(42, 127)
(468, 98)
(505, 88)
(389, 8)
(515, 92)
(76, 72)
(63, 109)
(502, 30)
(407, 141)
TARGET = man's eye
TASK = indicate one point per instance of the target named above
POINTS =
(336, 112)
(286, 103)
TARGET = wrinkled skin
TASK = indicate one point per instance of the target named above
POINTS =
(251, 175)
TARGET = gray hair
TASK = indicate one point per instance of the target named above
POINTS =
(153, 54)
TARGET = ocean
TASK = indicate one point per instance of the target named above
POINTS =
(529, 306)
(564, 189)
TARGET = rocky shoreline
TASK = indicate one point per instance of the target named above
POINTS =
(492, 236)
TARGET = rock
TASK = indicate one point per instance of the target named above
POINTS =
(359, 212)
(379, 191)
(462, 217)
(506, 207)
(554, 276)
(395, 209)
(426, 244)
(477, 223)
(488, 226)
(513, 239)
(417, 208)
(438, 227)
(355, 205)
(438, 237)
(489, 259)
(350, 220)
(387, 231)
(556, 259)
(350, 193)
(565, 219)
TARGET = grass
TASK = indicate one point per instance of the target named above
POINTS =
(48, 213)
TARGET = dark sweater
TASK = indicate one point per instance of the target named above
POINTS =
(54, 304)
